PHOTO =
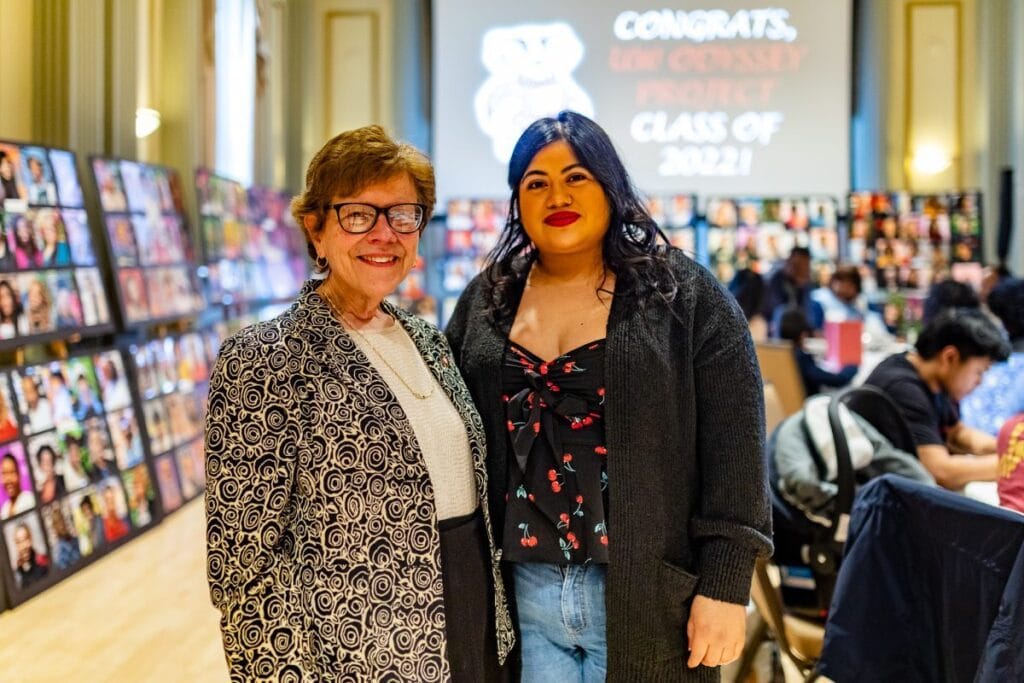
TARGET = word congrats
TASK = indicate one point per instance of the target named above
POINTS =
(770, 23)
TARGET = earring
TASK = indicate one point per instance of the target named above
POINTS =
(321, 263)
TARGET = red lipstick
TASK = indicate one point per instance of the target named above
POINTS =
(560, 219)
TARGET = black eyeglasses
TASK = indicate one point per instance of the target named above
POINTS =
(357, 218)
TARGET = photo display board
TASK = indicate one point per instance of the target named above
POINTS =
(173, 375)
(148, 241)
(75, 478)
(50, 285)
(758, 233)
(278, 244)
(676, 215)
(472, 228)
(910, 240)
(254, 251)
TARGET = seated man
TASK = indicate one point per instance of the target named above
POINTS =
(843, 300)
(952, 353)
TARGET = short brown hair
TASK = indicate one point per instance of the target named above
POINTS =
(352, 161)
(847, 272)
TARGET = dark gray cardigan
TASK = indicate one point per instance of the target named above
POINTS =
(684, 420)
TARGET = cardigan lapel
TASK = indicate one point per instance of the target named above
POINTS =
(328, 341)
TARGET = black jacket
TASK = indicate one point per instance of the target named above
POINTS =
(685, 432)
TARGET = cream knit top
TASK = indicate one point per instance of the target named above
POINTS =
(438, 427)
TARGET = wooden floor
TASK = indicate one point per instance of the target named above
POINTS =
(139, 614)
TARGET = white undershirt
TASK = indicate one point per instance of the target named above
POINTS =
(438, 426)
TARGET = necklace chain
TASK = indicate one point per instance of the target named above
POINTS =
(418, 394)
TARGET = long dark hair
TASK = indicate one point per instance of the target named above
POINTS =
(634, 247)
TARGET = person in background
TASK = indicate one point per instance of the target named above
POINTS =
(1001, 392)
(788, 286)
(948, 294)
(952, 353)
(747, 286)
(624, 414)
(841, 299)
(1010, 444)
(794, 327)
(991, 276)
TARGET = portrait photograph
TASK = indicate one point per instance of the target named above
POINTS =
(37, 177)
(16, 492)
(65, 173)
(26, 550)
(167, 482)
(108, 182)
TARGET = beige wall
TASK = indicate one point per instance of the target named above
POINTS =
(348, 69)
(932, 90)
(16, 50)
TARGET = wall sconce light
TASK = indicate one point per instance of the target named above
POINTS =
(146, 121)
(931, 159)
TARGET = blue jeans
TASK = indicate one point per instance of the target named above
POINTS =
(562, 622)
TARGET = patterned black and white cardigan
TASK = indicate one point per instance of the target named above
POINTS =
(323, 550)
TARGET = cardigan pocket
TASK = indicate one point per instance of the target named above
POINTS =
(676, 588)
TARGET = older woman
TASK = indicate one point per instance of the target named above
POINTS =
(624, 419)
(347, 532)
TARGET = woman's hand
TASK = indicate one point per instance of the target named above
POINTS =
(715, 631)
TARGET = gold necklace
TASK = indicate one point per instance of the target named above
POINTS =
(420, 395)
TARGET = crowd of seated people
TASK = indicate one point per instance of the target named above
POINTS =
(957, 387)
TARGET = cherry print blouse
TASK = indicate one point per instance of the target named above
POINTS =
(557, 499)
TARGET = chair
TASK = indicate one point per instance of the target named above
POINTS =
(884, 414)
(778, 367)
(799, 640)
(931, 589)
(774, 413)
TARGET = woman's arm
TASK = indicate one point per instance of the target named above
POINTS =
(252, 437)
(733, 522)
